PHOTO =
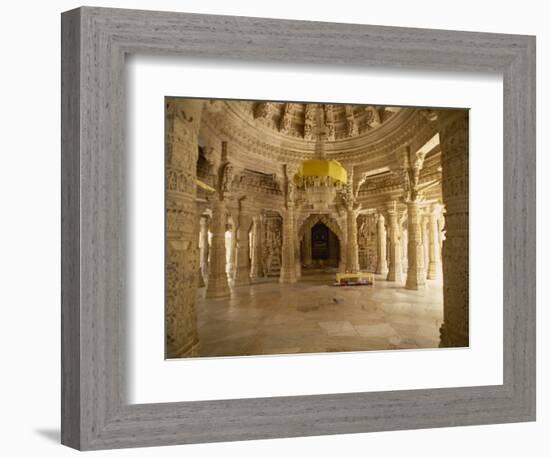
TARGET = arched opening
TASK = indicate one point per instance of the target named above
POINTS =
(325, 246)
(321, 242)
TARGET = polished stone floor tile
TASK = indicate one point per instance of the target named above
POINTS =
(338, 328)
(311, 316)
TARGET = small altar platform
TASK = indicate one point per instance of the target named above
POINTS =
(354, 279)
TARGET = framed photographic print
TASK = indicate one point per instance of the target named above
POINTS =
(285, 228)
(299, 206)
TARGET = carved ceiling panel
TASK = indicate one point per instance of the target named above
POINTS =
(298, 120)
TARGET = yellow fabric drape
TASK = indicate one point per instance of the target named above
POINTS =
(323, 168)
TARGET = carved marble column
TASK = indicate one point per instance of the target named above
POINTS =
(256, 254)
(404, 248)
(416, 277)
(395, 270)
(288, 260)
(381, 261)
(204, 247)
(242, 271)
(217, 277)
(453, 134)
(352, 249)
(288, 250)
(426, 241)
(232, 258)
(434, 258)
(182, 250)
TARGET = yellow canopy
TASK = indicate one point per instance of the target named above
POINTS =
(323, 168)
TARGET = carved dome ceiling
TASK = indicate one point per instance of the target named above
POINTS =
(298, 119)
(262, 135)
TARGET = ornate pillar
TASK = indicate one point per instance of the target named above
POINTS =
(395, 270)
(381, 261)
(204, 247)
(182, 250)
(232, 258)
(425, 242)
(256, 255)
(416, 277)
(352, 249)
(434, 258)
(404, 247)
(242, 271)
(288, 250)
(454, 140)
(217, 277)
(288, 261)
(352, 208)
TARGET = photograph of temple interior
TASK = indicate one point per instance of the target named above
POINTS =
(311, 228)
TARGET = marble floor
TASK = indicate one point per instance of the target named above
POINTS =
(312, 316)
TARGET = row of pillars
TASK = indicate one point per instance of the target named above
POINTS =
(244, 253)
(389, 258)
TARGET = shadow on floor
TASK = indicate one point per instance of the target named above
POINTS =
(53, 435)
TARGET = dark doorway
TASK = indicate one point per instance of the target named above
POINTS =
(325, 246)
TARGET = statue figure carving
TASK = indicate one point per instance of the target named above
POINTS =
(353, 128)
(285, 124)
(309, 119)
(272, 244)
(226, 179)
(329, 122)
(291, 192)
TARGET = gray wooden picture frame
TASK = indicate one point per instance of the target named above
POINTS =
(95, 412)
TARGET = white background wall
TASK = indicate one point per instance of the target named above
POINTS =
(30, 227)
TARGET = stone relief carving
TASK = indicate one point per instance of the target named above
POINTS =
(291, 193)
(368, 120)
(175, 109)
(241, 139)
(268, 113)
(182, 257)
(329, 122)
(272, 243)
(259, 183)
(375, 118)
(176, 290)
(350, 193)
(353, 128)
(309, 121)
(227, 175)
(285, 125)
(263, 110)
(366, 240)
(455, 188)
(410, 164)
(294, 119)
